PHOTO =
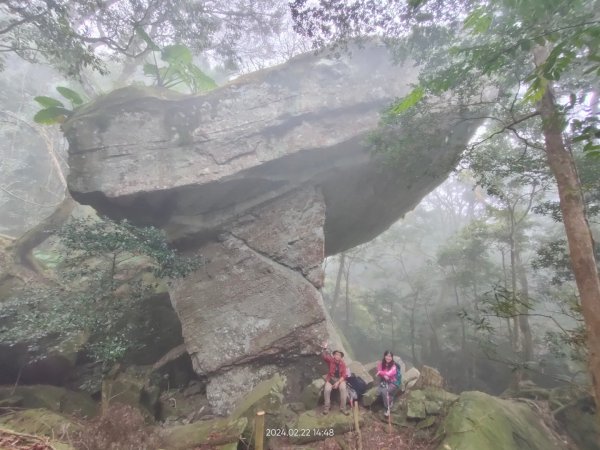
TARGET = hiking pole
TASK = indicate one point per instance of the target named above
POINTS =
(387, 389)
(259, 426)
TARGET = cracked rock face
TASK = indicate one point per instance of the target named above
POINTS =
(256, 301)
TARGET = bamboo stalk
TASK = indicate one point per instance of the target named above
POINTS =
(259, 431)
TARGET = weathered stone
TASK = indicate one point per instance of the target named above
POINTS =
(313, 422)
(190, 164)
(479, 421)
(429, 377)
(39, 422)
(137, 387)
(53, 398)
(410, 378)
(243, 306)
(425, 423)
(433, 408)
(312, 393)
(267, 397)
(209, 433)
(415, 405)
(370, 396)
(356, 368)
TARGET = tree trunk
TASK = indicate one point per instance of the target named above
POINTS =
(338, 282)
(348, 295)
(23, 247)
(525, 328)
(510, 333)
(579, 236)
(413, 336)
(513, 284)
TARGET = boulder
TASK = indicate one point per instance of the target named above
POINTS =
(311, 395)
(223, 391)
(479, 421)
(267, 397)
(52, 398)
(191, 164)
(209, 433)
(410, 378)
(262, 178)
(415, 405)
(136, 387)
(370, 396)
(38, 422)
(312, 426)
(429, 377)
(356, 368)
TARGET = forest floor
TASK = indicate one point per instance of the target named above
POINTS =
(375, 435)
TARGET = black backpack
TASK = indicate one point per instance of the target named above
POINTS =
(358, 384)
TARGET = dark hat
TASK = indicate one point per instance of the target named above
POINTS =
(338, 351)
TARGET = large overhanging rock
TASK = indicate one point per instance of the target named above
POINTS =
(192, 164)
(262, 177)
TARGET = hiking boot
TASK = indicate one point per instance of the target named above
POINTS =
(345, 412)
(325, 411)
(387, 413)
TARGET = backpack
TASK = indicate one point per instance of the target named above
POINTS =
(358, 384)
(398, 381)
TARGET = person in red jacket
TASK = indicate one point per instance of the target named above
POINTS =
(335, 378)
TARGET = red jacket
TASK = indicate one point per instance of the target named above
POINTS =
(332, 364)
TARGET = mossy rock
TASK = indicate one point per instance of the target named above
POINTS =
(479, 421)
(370, 396)
(53, 398)
(313, 420)
(39, 422)
(580, 420)
(415, 405)
(267, 396)
(136, 387)
(311, 394)
(439, 395)
(213, 432)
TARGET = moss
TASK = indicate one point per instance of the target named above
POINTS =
(312, 393)
(370, 396)
(38, 422)
(266, 396)
(479, 421)
(214, 432)
(53, 398)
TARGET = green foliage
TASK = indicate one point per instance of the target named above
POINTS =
(101, 288)
(73, 35)
(179, 70)
(54, 111)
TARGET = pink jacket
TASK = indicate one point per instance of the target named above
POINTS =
(390, 374)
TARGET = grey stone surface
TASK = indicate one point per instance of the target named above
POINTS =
(193, 164)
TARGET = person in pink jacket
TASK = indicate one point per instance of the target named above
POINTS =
(387, 373)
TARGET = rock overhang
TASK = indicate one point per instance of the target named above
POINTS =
(190, 164)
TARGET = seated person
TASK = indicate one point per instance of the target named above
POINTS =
(335, 379)
(389, 379)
